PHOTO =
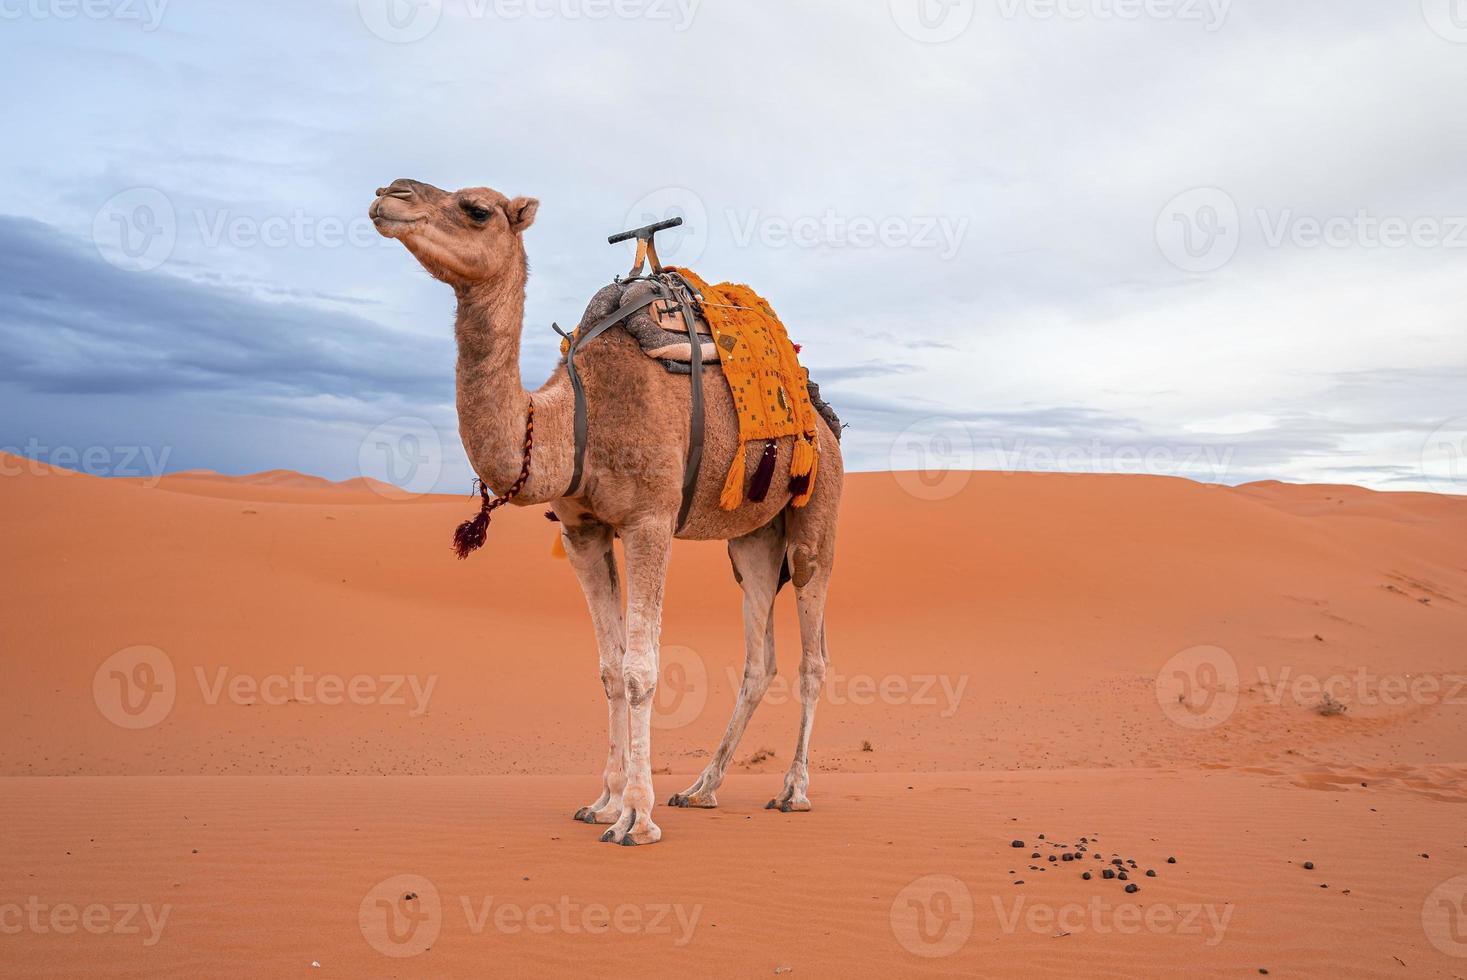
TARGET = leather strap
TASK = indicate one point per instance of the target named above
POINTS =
(576, 341)
(695, 423)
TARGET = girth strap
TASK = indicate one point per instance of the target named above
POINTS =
(580, 389)
(695, 424)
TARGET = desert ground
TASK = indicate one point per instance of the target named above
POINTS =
(268, 726)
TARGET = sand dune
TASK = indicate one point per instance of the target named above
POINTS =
(1141, 661)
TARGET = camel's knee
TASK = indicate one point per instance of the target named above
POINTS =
(613, 682)
(812, 677)
(757, 679)
(640, 678)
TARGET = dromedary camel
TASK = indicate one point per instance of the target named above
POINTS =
(638, 441)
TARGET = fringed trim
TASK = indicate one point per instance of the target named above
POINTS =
(803, 464)
(733, 485)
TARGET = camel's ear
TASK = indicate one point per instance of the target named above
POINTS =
(521, 212)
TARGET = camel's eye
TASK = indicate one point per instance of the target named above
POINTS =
(474, 211)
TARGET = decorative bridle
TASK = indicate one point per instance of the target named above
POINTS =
(470, 535)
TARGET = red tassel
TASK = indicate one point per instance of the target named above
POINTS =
(799, 485)
(470, 535)
(764, 475)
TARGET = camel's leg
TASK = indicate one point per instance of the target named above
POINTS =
(756, 561)
(589, 548)
(812, 555)
(647, 548)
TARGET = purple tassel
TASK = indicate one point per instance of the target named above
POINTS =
(799, 484)
(764, 475)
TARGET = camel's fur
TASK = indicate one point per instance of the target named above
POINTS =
(638, 419)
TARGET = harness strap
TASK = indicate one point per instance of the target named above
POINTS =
(695, 423)
(576, 341)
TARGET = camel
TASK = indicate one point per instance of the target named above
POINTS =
(472, 239)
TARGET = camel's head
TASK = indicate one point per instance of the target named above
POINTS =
(461, 237)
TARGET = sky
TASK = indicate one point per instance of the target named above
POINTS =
(1220, 239)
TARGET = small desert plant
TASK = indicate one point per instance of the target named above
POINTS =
(1329, 707)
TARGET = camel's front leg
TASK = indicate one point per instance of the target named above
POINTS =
(589, 548)
(647, 548)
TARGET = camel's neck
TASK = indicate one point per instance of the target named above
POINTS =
(492, 403)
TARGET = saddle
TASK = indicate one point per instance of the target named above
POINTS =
(690, 327)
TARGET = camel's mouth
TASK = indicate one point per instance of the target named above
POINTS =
(388, 214)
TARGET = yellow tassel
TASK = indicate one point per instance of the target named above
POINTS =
(805, 453)
(733, 486)
(803, 459)
(557, 550)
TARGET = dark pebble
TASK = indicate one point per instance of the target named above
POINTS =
(1017, 843)
(1308, 865)
(1123, 876)
(1067, 857)
(1171, 860)
(1150, 873)
(1107, 873)
(1041, 837)
(1132, 889)
(1053, 858)
(1086, 876)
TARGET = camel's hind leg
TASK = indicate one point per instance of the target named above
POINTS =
(757, 561)
(812, 555)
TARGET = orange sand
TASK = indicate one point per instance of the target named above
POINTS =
(998, 651)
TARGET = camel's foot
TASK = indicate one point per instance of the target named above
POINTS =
(603, 813)
(633, 827)
(699, 796)
(792, 799)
